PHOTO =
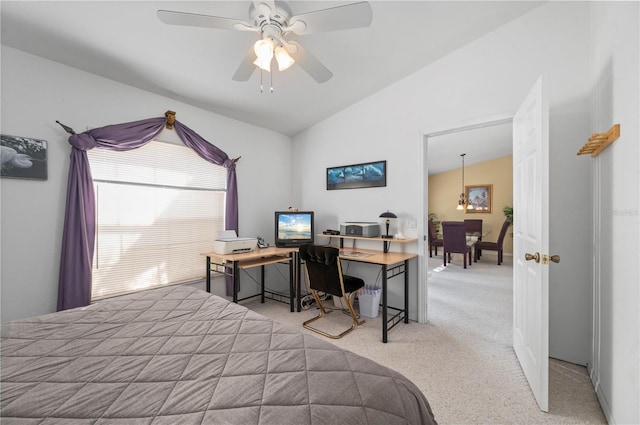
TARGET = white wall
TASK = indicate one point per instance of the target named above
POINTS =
(488, 77)
(37, 92)
(588, 53)
(615, 86)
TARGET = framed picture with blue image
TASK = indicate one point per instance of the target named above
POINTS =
(356, 176)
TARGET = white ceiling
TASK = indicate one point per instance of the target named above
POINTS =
(126, 42)
(478, 145)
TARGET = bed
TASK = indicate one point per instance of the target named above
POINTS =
(181, 356)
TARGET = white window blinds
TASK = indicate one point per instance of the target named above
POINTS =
(158, 208)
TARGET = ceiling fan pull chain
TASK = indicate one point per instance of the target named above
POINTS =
(261, 85)
(271, 82)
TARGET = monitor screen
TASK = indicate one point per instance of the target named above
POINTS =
(293, 228)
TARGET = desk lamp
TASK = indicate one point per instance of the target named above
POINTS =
(388, 216)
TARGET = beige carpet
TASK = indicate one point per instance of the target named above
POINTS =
(462, 359)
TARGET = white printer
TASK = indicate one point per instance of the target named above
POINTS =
(228, 242)
(369, 229)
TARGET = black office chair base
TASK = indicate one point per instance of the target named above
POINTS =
(323, 312)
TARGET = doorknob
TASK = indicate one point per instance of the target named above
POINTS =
(554, 258)
(535, 257)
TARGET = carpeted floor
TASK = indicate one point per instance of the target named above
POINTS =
(462, 359)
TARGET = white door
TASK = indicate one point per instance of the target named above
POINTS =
(531, 241)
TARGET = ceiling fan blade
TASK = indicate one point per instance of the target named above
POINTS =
(195, 20)
(354, 15)
(246, 67)
(311, 64)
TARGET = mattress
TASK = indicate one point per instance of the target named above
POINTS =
(181, 356)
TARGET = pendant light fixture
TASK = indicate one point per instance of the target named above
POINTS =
(463, 202)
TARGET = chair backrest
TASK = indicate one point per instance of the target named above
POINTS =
(454, 236)
(432, 231)
(323, 268)
(473, 225)
(503, 232)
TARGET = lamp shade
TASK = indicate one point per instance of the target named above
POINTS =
(264, 53)
(388, 215)
(282, 57)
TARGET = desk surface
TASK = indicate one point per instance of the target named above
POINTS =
(256, 253)
(375, 257)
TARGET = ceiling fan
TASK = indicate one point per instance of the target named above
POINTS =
(273, 21)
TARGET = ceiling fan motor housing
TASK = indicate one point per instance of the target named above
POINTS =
(264, 18)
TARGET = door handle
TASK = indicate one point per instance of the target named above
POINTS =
(554, 258)
(535, 257)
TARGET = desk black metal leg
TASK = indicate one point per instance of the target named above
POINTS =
(298, 268)
(292, 286)
(236, 276)
(384, 303)
(262, 284)
(406, 291)
(208, 274)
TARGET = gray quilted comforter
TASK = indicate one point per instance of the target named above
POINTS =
(181, 356)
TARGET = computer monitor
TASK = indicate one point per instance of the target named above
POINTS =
(293, 228)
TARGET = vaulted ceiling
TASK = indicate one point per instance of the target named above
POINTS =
(126, 42)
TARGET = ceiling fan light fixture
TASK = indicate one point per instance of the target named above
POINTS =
(264, 53)
(273, 21)
(283, 58)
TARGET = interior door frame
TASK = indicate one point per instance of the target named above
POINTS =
(423, 245)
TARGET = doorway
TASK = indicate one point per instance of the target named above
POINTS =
(465, 137)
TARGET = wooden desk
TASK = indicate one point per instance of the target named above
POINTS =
(231, 264)
(393, 264)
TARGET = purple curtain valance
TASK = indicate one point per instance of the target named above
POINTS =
(119, 137)
(78, 238)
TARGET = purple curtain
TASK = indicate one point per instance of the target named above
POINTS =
(78, 238)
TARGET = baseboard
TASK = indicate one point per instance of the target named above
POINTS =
(604, 404)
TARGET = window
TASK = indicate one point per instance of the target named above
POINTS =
(158, 208)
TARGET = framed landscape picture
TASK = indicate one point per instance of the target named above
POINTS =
(354, 176)
(23, 157)
(480, 197)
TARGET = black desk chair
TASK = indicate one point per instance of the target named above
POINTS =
(324, 273)
(455, 241)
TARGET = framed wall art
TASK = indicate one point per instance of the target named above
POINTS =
(354, 176)
(23, 157)
(480, 197)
